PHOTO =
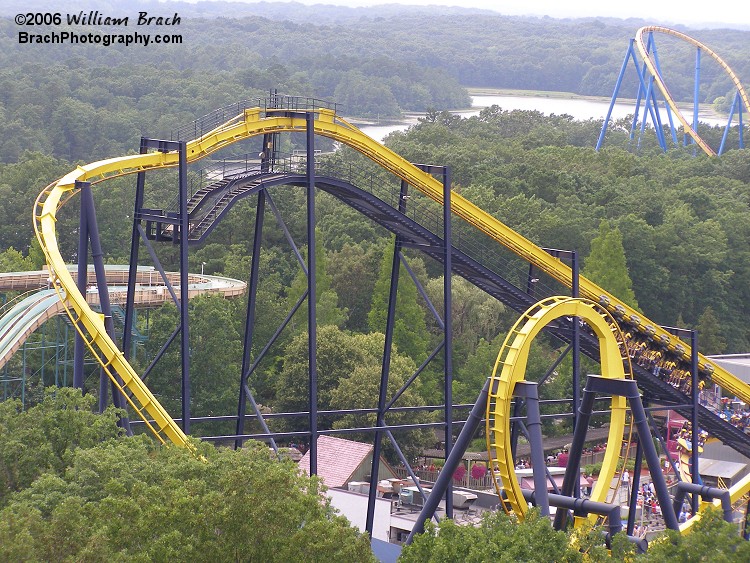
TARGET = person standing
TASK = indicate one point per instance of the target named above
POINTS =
(589, 483)
(626, 481)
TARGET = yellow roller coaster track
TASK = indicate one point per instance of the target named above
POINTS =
(253, 122)
(642, 48)
(510, 368)
(738, 495)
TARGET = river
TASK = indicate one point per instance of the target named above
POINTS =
(579, 108)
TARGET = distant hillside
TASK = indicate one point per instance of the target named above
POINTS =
(373, 62)
(286, 11)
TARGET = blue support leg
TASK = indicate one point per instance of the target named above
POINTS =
(311, 296)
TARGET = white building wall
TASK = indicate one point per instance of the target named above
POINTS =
(354, 507)
(736, 364)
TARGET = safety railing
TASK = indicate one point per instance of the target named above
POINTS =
(214, 119)
(429, 214)
(421, 209)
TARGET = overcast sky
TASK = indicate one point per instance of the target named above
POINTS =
(687, 12)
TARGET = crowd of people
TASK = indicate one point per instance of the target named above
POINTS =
(651, 518)
(734, 414)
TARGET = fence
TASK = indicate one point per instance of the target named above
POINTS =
(588, 458)
(431, 476)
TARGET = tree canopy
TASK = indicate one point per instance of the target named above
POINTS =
(606, 266)
(90, 495)
(502, 538)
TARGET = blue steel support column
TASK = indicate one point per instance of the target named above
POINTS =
(530, 391)
(576, 343)
(530, 281)
(448, 320)
(184, 331)
(655, 113)
(628, 388)
(652, 458)
(515, 425)
(694, 470)
(83, 259)
(707, 494)
(656, 432)
(385, 368)
(600, 141)
(87, 204)
(648, 109)
(579, 439)
(739, 125)
(250, 314)
(584, 507)
(651, 106)
(97, 256)
(633, 501)
(729, 123)
(696, 92)
(140, 186)
(639, 95)
(666, 106)
(656, 116)
(312, 332)
(445, 476)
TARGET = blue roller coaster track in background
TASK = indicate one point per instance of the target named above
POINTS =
(651, 80)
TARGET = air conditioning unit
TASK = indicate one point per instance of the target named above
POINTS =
(463, 499)
(406, 496)
(359, 487)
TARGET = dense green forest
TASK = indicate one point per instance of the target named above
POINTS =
(83, 102)
(676, 226)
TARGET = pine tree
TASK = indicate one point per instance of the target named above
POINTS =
(606, 265)
(710, 338)
(410, 329)
(327, 310)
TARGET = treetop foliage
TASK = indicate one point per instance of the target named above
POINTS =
(88, 102)
(606, 266)
(110, 498)
(503, 538)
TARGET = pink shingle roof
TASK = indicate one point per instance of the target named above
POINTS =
(338, 459)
